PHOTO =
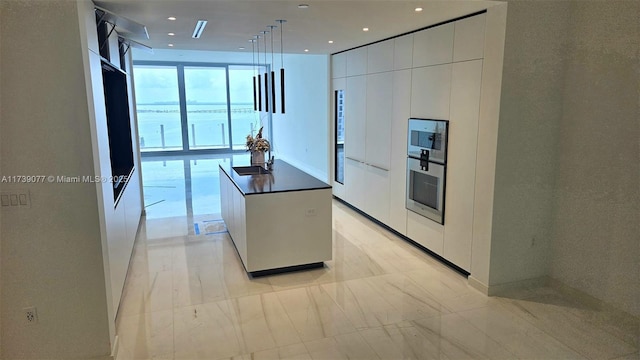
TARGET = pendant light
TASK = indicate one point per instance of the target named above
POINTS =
(253, 58)
(266, 75)
(273, 74)
(259, 79)
(281, 67)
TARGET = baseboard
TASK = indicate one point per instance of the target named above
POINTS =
(500, 289)
(478, 285)
(115, 348)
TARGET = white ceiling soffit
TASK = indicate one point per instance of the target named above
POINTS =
(233, 22)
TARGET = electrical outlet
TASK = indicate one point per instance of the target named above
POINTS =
(30, 315)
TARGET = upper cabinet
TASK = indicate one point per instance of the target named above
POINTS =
(468, 43)
(431, 92)
(403, 52)
(357, 61)
(380, 57)
(433, 46)
(339, 65)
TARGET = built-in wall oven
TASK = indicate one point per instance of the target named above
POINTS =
(427, 167)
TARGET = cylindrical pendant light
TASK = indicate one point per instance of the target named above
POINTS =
(273, 75)
(253, 59)
(259, 79)
(282, 108)
(266, 75)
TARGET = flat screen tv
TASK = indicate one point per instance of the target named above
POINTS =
(119, 126)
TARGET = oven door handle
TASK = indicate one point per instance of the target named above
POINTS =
(424, 159)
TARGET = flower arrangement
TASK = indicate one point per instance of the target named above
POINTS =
(258, 143)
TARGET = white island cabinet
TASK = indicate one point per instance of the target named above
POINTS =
(278, 221)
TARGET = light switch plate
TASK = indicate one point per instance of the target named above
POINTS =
(15, 199)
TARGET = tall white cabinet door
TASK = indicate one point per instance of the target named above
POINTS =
(355, 182)
(378, 126)
(398, 164)
(339, 65)
(461, 169)
(468, 41)
(433, 46)
(431, 92)
(403, 52)
(375, 192)
(357, 61)
(355, 117)
(380, 57)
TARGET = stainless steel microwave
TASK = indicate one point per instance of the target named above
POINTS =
(429, 135)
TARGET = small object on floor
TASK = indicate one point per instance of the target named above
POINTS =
(209, 227)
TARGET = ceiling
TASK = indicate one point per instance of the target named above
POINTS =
(232, 23)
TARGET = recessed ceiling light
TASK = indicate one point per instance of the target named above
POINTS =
(418, 9)
(170, 45)
(171, 34)
(330, 41)
(172, 18)
(306, 50)
(303, 6)
(365, 29)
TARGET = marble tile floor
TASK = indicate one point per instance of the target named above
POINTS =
(188, 297)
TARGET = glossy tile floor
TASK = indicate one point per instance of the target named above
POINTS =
(187, 297)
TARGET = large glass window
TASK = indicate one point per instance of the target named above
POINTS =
(158, 104)
(243, 118)
(339, 135)
(207, 109)
(183, 107)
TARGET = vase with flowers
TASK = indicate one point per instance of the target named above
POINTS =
(258, 146)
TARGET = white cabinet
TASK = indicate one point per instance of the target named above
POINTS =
(355, 117)
(433, 46)
(355, 178)
(461, 168)
(397, 172)
(378, 120)
(376, 193)
(425, 232)
(431, 91)
(380, 57)
(339, 65)
(403, 52)
(357, 61)
(468, 41)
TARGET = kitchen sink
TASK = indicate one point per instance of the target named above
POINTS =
(250, 170)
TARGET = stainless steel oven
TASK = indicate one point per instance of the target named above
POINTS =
(431, 135)
(425, 189)
(426, 167)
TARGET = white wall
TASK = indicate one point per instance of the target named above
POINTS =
(301, 135)
(596, 232)
(51, 252)
(530, 113)
(566, 195)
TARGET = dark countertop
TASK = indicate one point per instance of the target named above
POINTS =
(283, 178)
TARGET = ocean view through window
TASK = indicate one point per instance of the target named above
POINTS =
(186, 107)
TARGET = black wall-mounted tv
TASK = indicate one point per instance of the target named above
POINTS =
(119, 126)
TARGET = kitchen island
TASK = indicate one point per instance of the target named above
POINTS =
(279, 219)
